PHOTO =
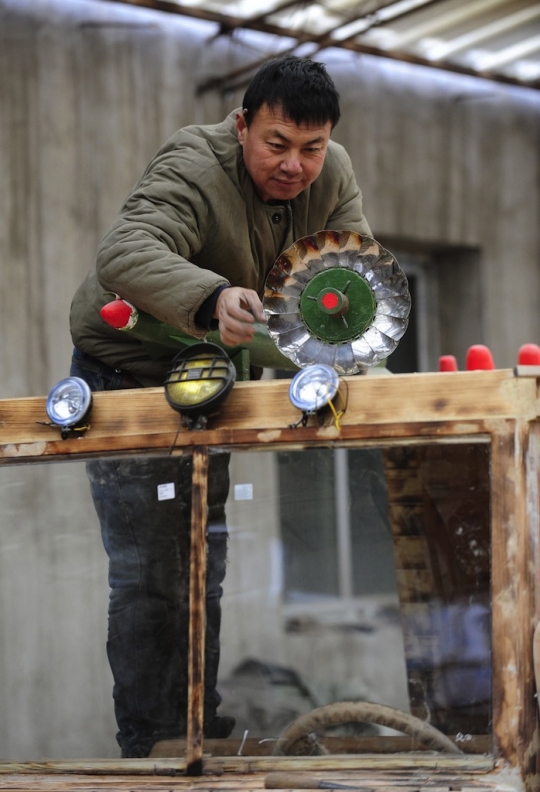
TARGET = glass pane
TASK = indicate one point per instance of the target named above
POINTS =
(310, 560)
(352, 575)
(357, 576)
(439, 512)
(56, 694)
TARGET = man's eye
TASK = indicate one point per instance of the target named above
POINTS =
(276, 146)
(313, 149)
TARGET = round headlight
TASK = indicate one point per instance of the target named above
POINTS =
(200, 380)
(69, 402)
(313, 387)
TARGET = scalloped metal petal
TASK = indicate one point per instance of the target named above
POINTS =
(382, 271)
(348, 258)
(276, 278)
(277, 274)
(399, 306)
(396, 286)
(349, 244)
(370, 247)
(307, 353)
(282, 323)
(289, 341)
(280, 303)
(291, 259)
(327, 241)
(315, 266)
(345, 361)
(390, 326)
(279, 279)
(351, 240)
(328, 245)
(364, 264)
(327, 355)
(380, 343)
(363, 353)
(303, 251)
(387, 258)
(303, 277)
(289, 288)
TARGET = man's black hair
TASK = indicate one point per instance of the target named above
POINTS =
(301, 88)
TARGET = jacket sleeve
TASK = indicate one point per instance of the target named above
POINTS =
(146, 255)
(348, 212)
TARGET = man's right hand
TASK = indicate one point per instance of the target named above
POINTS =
(236, 311)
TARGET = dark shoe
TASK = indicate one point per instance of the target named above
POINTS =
(219, 728)
(140, 751)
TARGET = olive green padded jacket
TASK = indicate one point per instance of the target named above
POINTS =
(191, 224)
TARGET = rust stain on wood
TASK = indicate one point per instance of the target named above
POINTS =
(197, 611)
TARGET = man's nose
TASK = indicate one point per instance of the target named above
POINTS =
(291, 163)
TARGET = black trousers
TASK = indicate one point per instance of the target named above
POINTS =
(147, 540)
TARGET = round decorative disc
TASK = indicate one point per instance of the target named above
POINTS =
(336, 298)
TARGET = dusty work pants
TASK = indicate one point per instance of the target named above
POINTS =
(148, 542)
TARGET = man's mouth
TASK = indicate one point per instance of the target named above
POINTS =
(288, 183)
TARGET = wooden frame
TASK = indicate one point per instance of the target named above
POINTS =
(498, 407)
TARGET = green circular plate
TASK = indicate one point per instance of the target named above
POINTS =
(337, 298)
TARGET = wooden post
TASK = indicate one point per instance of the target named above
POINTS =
(197, 611)
(513, 576)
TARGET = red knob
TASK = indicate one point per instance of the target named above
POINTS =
(479, 358)
(529, 355)
(117, 313)
(447, 363)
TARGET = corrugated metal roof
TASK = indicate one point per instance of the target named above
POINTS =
(493, 39)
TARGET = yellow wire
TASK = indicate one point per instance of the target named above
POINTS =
(337, 415)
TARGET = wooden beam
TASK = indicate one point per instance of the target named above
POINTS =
(259, 414)
(360, 744)
(197, 612)
(400, 763)
(229, 22)
(515, 714)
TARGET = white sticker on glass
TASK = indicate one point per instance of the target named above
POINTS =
(165, 491)
(243, 491)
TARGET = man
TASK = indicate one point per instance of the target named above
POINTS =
(192, 246)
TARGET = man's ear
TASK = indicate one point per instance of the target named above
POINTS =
(241, 127)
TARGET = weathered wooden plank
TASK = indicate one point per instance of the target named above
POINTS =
(253, 746)
(363, 783)
(260, 413)
(399, 762)
(41, 450)
(402, 762)
(513, 607)
(197, 611)
(433, 781)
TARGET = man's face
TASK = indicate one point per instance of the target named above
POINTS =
(281, 157)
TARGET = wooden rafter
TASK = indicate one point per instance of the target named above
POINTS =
(230, 23)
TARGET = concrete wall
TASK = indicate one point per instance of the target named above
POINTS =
(446, 161)
(449, 168)
(89, 90)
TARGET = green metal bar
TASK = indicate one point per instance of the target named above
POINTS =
(262, 349)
